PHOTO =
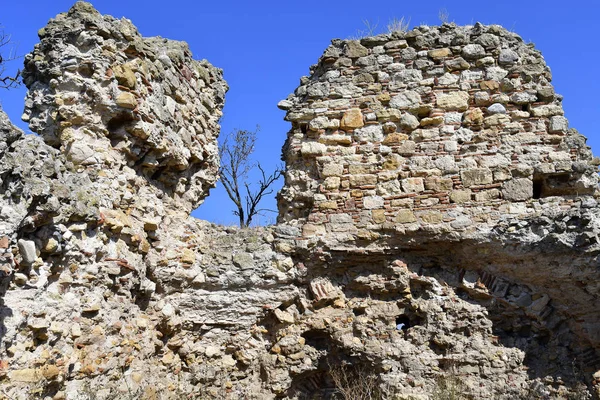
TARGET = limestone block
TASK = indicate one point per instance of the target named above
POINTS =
(361, 180)
(126, 100)
(352, 119)
(431, 217)
(394, 138)
(313, 149)
(332, 169)
(473, 51)
(28, 251)
(523, 97)
(388, 114)
(477, 176)
(405, 100)
(438, 184)
(549, 110)
(125, 75)
(453, 101)
(332, 183)
(519, 189)
(438, 54)
(508, 56)
(558, 124)
(405, 216)
(409, 122)
(496, 108)
(413, 185)
(369, 133)
(353, 49)
(371, 202)
(378, 216)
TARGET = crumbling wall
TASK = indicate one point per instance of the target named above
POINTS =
(116, 102)
(439, 128)
(447, 148)
(108, 287)
(438, 226)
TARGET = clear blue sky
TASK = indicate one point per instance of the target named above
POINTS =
(265, 47)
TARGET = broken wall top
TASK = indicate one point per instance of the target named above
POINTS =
(126, 108)
(439, 129)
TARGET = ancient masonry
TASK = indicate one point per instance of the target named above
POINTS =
(438, 226)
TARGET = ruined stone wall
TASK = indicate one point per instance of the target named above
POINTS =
(446, 149)
(115, 102)
(440, 128)
(462, 253)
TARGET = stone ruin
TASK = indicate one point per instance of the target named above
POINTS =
(438, 226)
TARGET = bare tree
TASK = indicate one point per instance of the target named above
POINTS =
(236, 164)
(6, 43)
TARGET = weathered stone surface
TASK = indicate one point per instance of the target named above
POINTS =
(352, 119)
(405, 100)
(454, 101)
(83, 96)
(27, 250)
(518, 189)
(477, 176)
(496, 108)
(468, 169)
(458, 249)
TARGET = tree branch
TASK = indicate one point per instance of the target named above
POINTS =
(235, 151)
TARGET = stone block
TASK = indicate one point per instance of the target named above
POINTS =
(332, 169)
(352, 119)
(405, 216)
(332, 183)
(413, 185)
(361, 180)
(27, 250)
(487, 195)
(369, 133)
(431, 217)
(126, 100)
(519, 189)
(558, 124)
(313, 149)
(460, 196)
(353, 49)
(438, 54)
(394, 139)
(405, 100)
(409, 122)
(378, 216)
(453, 101)
(477, 176)
(371, 202)
(313, 230)
(438, 184)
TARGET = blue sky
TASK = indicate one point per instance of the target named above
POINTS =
(265, 47)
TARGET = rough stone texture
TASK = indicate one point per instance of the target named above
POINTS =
(478, 194)
(423, 239)
(114, 101)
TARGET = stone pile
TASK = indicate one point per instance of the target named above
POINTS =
(438, 227)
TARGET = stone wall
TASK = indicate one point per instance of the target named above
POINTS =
(447, 148)
(112, 100)
(440, 128)
(438, 227)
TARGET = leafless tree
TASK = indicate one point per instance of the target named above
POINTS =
(236, 164)
(7, 54)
